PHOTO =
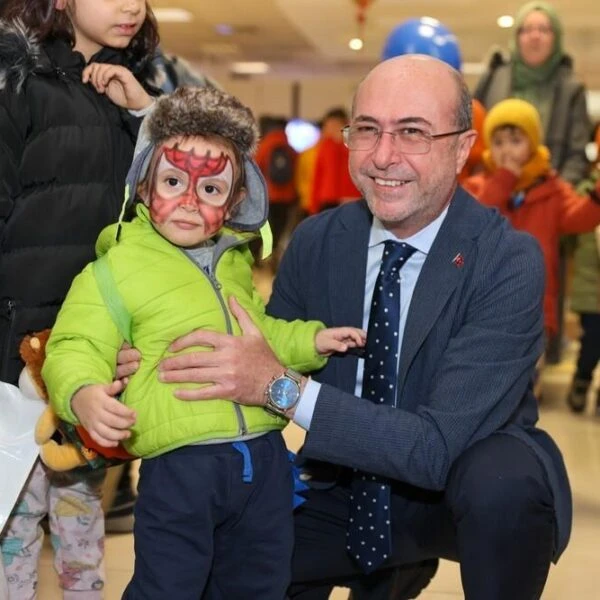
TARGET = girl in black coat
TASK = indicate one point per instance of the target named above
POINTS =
(70, 102)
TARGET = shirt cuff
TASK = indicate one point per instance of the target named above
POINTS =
(306, 405)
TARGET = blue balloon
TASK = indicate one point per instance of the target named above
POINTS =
(423, 36)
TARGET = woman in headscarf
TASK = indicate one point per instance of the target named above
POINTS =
(538, 70)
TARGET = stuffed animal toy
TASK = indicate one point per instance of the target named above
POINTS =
(74, 448)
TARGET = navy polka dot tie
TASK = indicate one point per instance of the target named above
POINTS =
(369, 535)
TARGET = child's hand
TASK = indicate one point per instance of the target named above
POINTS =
(105, 418)
(506, 161)
(119, 84)
(339, 339)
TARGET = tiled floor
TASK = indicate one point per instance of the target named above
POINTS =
(575, 576)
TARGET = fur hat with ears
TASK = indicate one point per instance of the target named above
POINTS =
(204, 111)
(190, 111)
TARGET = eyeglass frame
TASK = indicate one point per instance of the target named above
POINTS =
(430, 137)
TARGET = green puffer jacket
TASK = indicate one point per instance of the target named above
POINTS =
(167, 295)
(585, 289)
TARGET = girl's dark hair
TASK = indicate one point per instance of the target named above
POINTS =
(42, 18)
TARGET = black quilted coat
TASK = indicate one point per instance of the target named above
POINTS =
(64, 154)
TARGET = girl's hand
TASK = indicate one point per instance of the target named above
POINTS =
(119, 84)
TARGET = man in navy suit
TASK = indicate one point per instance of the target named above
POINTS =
(472, 478)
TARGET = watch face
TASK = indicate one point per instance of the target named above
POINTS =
(284, 393)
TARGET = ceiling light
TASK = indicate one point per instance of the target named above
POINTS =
(505, 21)
(173, 15)
(355, 44)
(250, 68)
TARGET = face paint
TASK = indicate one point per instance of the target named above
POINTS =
(196, 184)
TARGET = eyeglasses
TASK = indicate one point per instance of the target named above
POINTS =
(408, 140)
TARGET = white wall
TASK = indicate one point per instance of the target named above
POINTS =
(271, 95)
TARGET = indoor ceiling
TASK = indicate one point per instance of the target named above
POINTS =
(301, 38)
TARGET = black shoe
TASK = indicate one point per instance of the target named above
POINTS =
(402, 583)
(119, 518)
(578, 395)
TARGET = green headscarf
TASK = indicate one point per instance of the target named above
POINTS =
(534, 84)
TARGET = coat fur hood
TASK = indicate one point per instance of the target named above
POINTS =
(20, 54)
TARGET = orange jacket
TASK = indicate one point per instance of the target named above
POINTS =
(278, 193)
(550, 209)
(331, 181)
(474, 163)
(305, 174)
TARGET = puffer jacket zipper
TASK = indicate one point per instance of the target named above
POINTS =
(243, 428)
(10, 307)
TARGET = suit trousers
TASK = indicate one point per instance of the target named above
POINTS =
(495, 517)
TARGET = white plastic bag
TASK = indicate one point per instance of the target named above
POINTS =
(18, 450)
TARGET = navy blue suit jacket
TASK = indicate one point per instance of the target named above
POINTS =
(473, 334)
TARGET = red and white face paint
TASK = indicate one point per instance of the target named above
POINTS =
(190, 189)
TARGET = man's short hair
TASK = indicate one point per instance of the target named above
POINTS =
(464, 107)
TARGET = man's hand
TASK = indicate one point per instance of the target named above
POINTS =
(105, 418)
(128, 362)
(119, 84)
(238, 368)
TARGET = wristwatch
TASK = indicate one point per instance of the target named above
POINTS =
(283, 393)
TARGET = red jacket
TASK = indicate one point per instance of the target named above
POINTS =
(550, 209)
(331, 182)
(277, 193)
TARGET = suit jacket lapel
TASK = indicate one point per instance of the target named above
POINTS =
(441, 273)
(349, 245)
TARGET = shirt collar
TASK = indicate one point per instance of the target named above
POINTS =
(422, 240)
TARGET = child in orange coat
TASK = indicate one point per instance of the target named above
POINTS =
(519, 181)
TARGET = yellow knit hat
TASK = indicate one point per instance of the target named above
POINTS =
(514, 112)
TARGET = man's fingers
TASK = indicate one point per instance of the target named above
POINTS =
(198, 337)
(208, 392)
(123, 371)
(188, 372)
(128, 362)
(245, 322)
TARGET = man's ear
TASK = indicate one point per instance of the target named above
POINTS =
(235, 202)
(60, 4)
(464, 145)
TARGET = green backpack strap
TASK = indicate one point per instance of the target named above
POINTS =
(113, 300)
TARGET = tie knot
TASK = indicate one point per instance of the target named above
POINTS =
(395, 254)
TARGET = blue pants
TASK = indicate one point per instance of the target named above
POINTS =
(214, 522)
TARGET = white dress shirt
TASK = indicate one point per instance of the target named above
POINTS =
(422, 241)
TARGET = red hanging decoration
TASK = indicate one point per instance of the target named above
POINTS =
(361, 13)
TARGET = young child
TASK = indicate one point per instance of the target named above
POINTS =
(214, 508)
(585, 301)
(68, 71)
(520, 182)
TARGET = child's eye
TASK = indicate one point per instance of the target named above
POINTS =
(211, 189)
(172, 181)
